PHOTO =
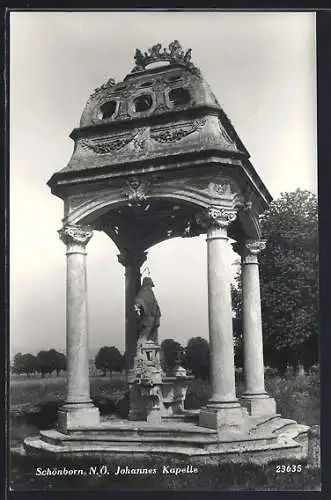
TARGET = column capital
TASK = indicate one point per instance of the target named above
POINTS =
(251, 249)
(73, 234)
(132, 258)
(216, 217)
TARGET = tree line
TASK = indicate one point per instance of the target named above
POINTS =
(109, 359)
(45, 362)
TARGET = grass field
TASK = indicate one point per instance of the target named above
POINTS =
(34, 403)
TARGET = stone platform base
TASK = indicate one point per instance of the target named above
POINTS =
(75, 416)
(275, 438)
(227, 417)
(260, 405)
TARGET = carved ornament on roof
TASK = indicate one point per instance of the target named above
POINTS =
(174, 54)
(108, 146)
(173, 133)
(110, 83)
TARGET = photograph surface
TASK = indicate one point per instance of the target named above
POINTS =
(164, 253)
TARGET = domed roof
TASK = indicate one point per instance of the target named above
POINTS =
(164, 119)
(174, 86)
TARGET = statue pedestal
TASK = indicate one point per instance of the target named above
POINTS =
(152, 396)
(145, 381)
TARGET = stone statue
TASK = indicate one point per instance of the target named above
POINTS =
(148, 312)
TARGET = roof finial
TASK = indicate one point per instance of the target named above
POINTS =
(174, 54)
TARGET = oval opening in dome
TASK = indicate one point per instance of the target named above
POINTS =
(108, 109)
(143, 103)
(179, 96)
(157, 64)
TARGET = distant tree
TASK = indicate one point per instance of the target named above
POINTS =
(109, 358)
(53, 359)
(196, 358)
(102, 360)
(24, 363)
(45, 362)
(116, 360)
(289, 281)
(171, 355)
(60, 362)
(30, 364)
(18, 364)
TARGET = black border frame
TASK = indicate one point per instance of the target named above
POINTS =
(323, 33)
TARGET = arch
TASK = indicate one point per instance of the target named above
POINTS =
(92, 209)
(100, 203)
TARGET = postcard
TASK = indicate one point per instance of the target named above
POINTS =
(164, 328)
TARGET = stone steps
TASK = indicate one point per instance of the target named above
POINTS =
(297, 432)
(234, 453)
(194, 417)
(128, 429)
(260, 440)
(205, 442)
(272, 425)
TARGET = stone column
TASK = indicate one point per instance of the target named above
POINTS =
(254, 398)
(223, 408)
(78, 410)
(132, 262)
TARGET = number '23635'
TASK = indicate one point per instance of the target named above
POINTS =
(289, 468)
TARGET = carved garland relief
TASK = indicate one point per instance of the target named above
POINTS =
(105, 146)
(141, 136)
(173, 133)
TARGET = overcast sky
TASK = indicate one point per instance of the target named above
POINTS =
(261, 67)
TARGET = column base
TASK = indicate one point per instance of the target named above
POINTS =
(259, 405)
(76, 416)
(220, 415)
